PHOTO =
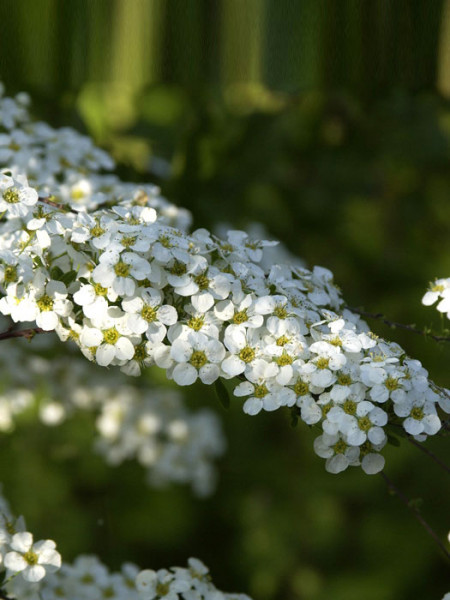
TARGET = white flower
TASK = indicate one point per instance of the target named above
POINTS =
(145, 314)
(93, 299)
(338, 453)
(119, 271)
(15, 196)
(419, 415)
(196, 356)
(440, 288)
(33, 561)
(109, 339)
(244, 347)
(239, 311)
(159, 584)
(51, 303)
(265, 393)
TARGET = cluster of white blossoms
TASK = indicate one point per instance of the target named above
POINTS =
(439, 291)
(20, 556)
(155, 429)
(148, 424)
(34, 571)
(113, 270)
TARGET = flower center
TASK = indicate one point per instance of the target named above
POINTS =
(111, 335)
(162, 589)
(140, 353)
(198, 359)
(365, 449)
(340, 447)
(31, 557)
(326, 408)
(10, 274)
(364, 423)
(127, 242)
(122, 269)
(45, 303)
(77, 194)
(247, 354)
(196, 323)
(280, 312)
(344, 379)
(148, 313)
(336, 342)
(100, 290)
(391, 383)
(322, 363)
(437, 288)
(178, 268)
(164, 240)
(284, 360)
(349, 407)
(260, 391)
(11, 196)
(240, 317)
(97, 231)
(108, 592)
(202, 281)
(301, 388)
(283, 340)
(417, 413)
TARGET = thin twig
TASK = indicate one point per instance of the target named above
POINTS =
(395, 325)
(428, 452)
(54, 204)
(25, 333)
(407, 502)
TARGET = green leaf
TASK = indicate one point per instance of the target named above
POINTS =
(68, 277)
(59, 275)
(56, 273)
(222, 394)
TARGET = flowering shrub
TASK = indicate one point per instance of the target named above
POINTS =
(113, 268)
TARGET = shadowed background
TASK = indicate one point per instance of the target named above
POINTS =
(329, 122)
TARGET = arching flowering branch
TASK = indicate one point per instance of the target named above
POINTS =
(119, 275)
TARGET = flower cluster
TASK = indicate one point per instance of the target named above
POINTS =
(33, 571)
(151, 425)
(155, 429)
(20, 555)
(439, 291)
(89, 579)
(113, 274)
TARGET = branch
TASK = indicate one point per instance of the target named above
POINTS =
(25, 333)
(428, 452)
(409, 504)
(63, 207)
(395, 325)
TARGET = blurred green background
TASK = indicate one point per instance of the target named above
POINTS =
(329, 122)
